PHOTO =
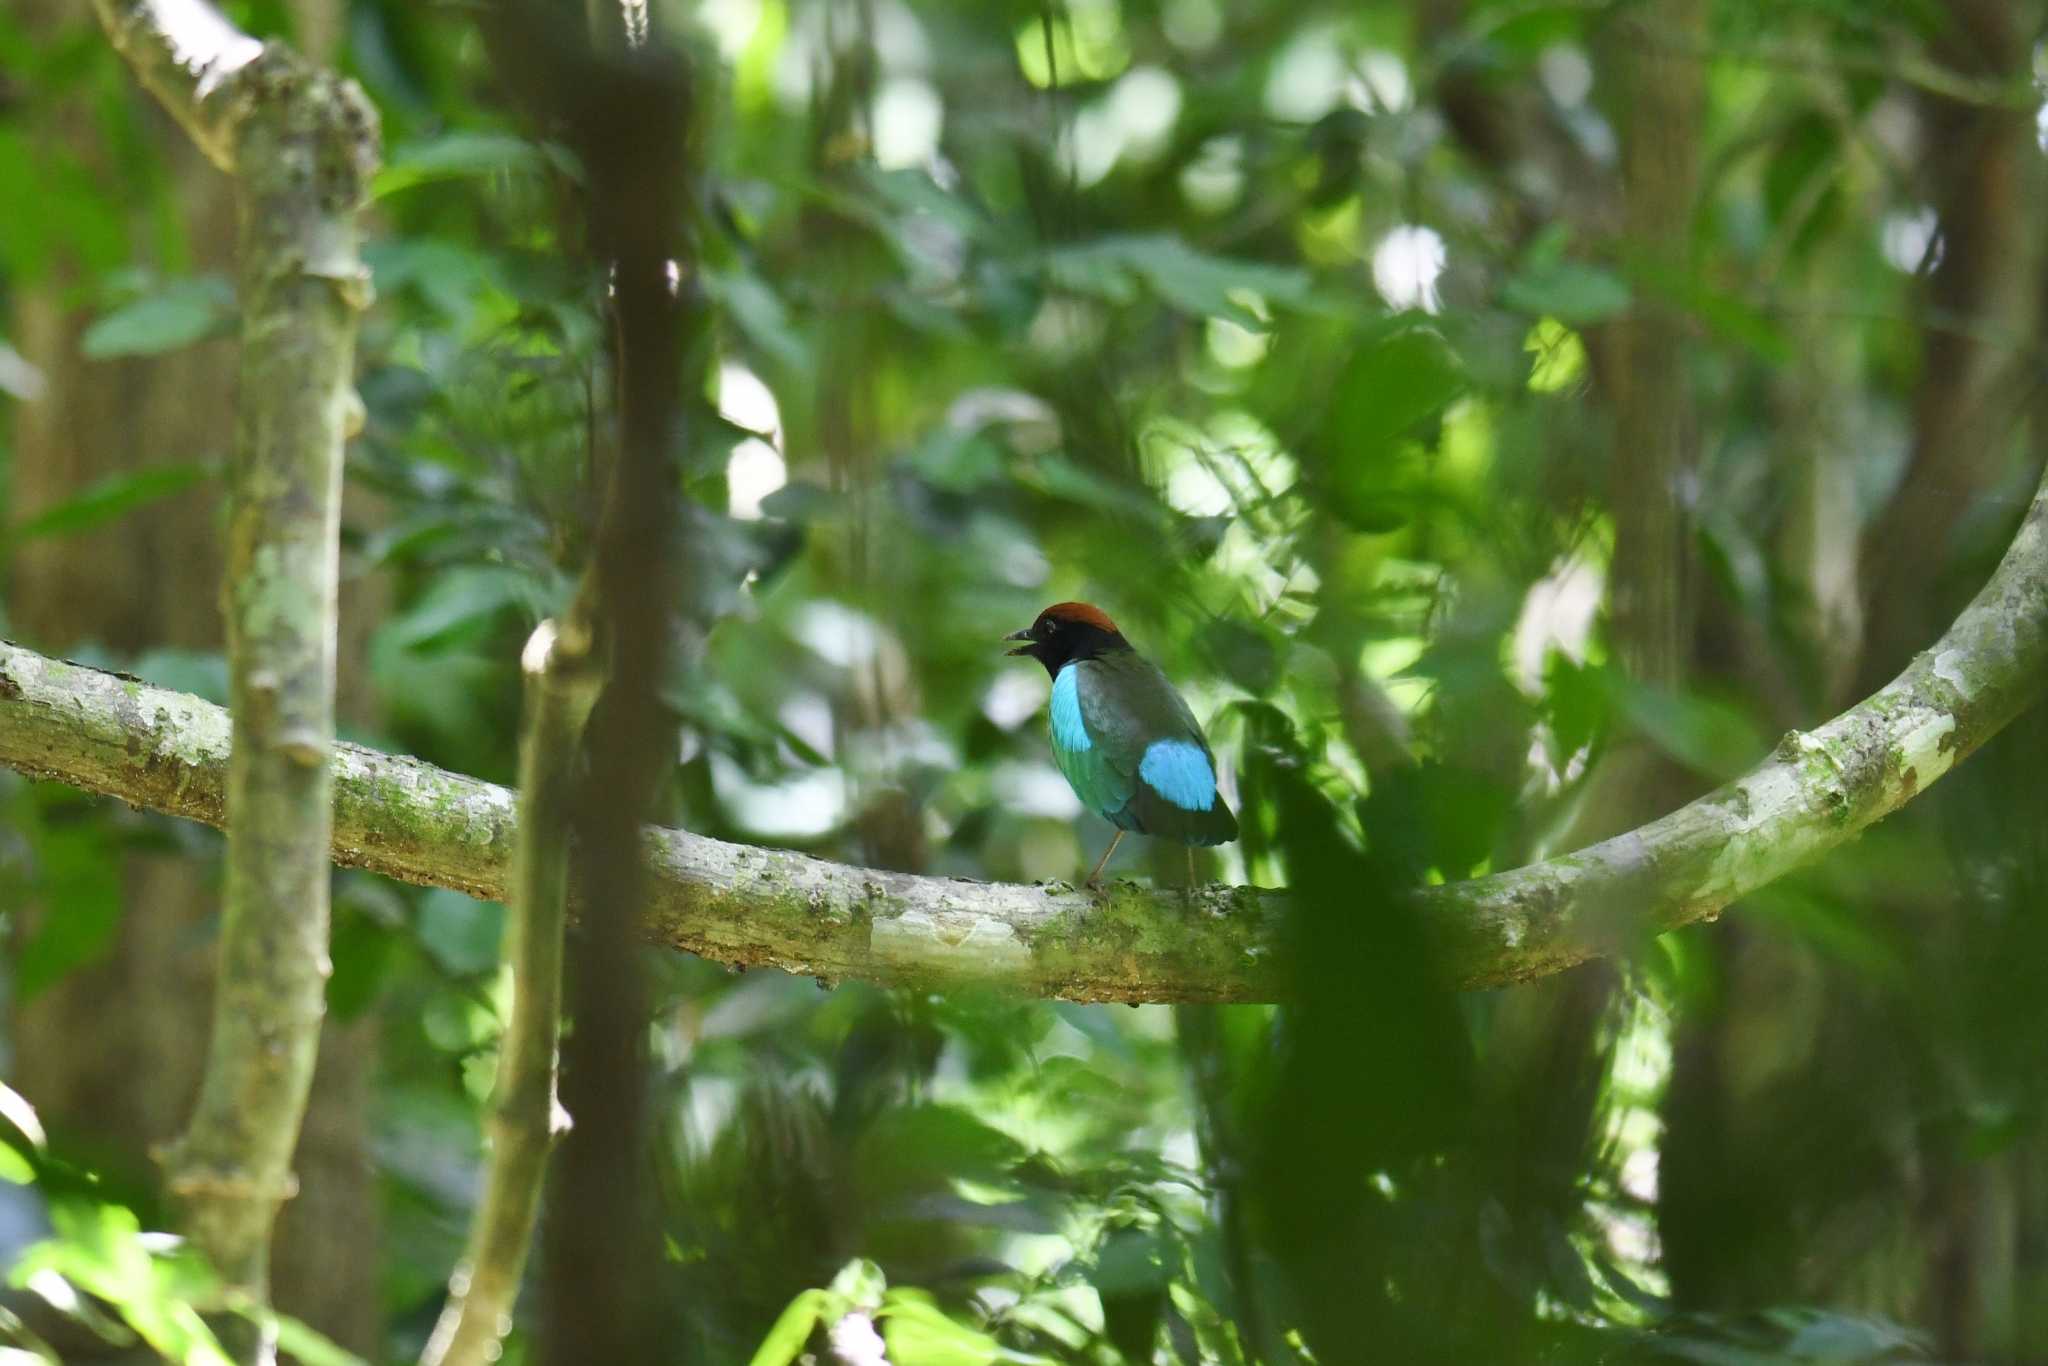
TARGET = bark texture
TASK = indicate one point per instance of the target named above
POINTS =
(562, 681)
(750, 906)
(301, 145)
(111, 1051)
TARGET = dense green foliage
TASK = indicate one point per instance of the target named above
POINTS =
(1288, 335)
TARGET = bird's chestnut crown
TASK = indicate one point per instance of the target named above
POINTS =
(1067, 631)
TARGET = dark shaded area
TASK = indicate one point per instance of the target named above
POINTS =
(626, 113)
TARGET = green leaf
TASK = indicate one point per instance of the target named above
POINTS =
(761, 316)
(455, 156)
(1386, 392)
(791, 1330)
(908, 1147)
(450, 277)
(176, 315)
(1391, 386)
(1559, 356)
(114, 496)
(461, 599)
(309, 1346)
(919, 1334)
(1192, 281)
(463, 935)
(99, 1248)
(1570, 291)
(1710, 735)
(78, 881)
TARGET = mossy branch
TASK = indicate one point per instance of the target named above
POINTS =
(748, 906)
(301, 145)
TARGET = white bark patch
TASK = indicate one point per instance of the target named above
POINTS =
(968, 946)
(1948, 668)
(1747, 857)
(1921, 751)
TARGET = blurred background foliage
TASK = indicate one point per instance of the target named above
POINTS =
(1503, 418)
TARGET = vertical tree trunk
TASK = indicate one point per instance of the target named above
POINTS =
(1659, 99)
(111, 1052)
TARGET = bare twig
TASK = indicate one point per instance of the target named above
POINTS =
(562, 681)
(301, 144)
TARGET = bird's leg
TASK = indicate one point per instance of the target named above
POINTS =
(1116, 840)
(1191, 867)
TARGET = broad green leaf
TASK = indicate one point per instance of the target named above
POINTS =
(460, 599)
(761, 316)
(453, 156)
(1391, 386)
(99, 1249)
(791, 1330)
(920, 1334)
(178, 314)
(114, 496)
(462, 935)
(450, 276)
(78, 883)
(1571, 291)
(1192, 281)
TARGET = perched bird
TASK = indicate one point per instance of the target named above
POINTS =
(1128, 744)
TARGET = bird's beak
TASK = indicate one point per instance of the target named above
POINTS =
(1023, 649)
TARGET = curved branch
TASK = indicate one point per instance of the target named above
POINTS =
(184, 52)
(747, 906)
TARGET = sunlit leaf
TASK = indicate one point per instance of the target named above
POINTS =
(920, 1334)
(786, 1338)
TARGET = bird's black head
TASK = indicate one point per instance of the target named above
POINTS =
(1067, 631)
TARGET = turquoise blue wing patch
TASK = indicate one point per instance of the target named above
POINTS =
(1069, 731)
(1180, 772)
(1095, 780)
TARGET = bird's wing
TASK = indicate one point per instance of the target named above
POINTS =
(1103, 784)
(1149, 737)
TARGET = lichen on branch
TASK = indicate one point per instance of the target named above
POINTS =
(301, 145)
(749, 906)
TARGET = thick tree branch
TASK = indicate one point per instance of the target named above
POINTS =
(168, 752)
(301, 144)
